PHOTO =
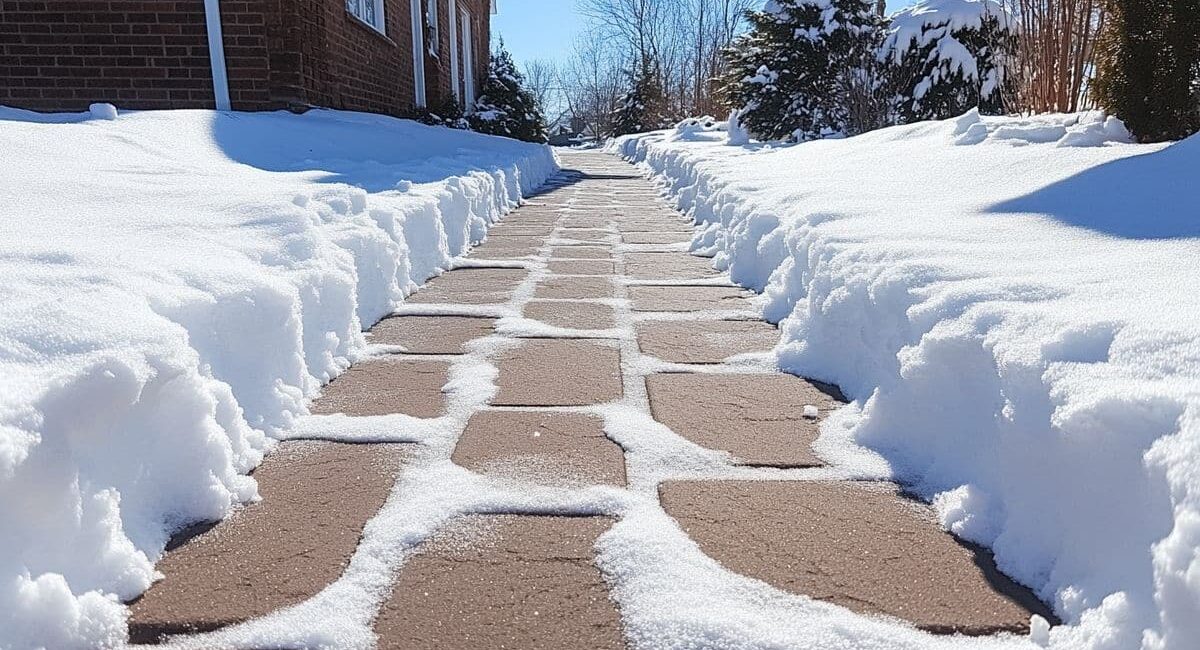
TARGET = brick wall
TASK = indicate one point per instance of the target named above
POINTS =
(148, 54)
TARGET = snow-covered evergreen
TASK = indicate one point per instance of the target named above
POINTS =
(946, 57)
(643, 107)
(786, 74)
(506, 107)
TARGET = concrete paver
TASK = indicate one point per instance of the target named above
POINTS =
(684, 299)
(709, 341)
(504, 581)
(431, 334)
(575, 287)
(386, 386)
(667, 266)
(656, 237)
(482, 286)
(756, 417)
(573, 315)
(560, 449)
(580, 252)
(554, 372)
(317, 496)
(581, 267)
(861, 546)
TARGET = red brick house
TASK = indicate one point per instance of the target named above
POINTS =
(384, 56)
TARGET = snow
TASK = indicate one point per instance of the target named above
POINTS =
(1016, 317)
(176, 286)
(927, 20)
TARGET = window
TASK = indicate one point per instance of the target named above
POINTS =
(368, 11)
(431, 15)
(418, 54)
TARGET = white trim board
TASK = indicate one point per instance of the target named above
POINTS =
(216, 54)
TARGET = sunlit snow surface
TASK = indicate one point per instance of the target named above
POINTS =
(1014, 306)
(173, 287)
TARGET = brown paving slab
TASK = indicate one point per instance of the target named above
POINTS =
(585, 222)
(668, 266)
(705, 341)
(573, 287)
(572, 315)
(584, 234)
(386, 386)
(471, 286)
(559, 372)
(672, 225)
(431, 334)
(523, 230)
(859, 545)
(317, 496)
(504, 581)
(581, 252)
(656, 237)
(557, 449)
(757, 418)
(496, 253)
(512, 242)
(581, 267)
(678, 299)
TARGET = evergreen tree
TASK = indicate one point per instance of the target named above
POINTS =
(505, 106)
(1148, 69)
(787, 75)
(947, 58)
(643, 107)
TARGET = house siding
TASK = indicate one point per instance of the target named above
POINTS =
(152, 54)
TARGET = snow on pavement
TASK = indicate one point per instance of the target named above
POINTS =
(1014, 306)
(175, 286)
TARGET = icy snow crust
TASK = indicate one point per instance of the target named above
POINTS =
(1019, 327)
(175, 286)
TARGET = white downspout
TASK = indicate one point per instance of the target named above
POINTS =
(216, 54)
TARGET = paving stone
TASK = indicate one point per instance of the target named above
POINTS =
(672, 225)
(386, 386)
(559, 372)
(317, 496)
(558, 449)
(528, 245)
(668, 266)
(706, 341)
(575, 287)
(482, 286)
(678, 299)
(580, 252)
(530, 229)
(581, 267)
(584, 234)
(573, 315)
(656, 237)
(431, 334)
(859, 545)
(757, 418)
(504, 581)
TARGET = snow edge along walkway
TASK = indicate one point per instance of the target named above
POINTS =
(1016, 326)
(177, 285)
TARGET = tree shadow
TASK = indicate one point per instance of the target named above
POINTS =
(1148, 196)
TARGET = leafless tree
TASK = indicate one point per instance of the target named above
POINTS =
(592, 81)
(683, 38)
(1054, 53)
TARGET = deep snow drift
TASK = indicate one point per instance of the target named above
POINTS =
(175, 285)
(1014, 304)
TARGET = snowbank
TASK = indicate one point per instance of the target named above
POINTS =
(1018, 323)
(175, 286)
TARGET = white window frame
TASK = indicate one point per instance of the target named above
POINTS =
(358, 9)
(435, 35)
(455, 76)
(418, 53)
(468, 59)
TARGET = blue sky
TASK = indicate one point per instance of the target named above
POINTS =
(535, 29)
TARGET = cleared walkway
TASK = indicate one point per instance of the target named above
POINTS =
(585, 298)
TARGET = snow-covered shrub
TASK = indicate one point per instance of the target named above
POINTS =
(506, 107)
(643, 107)
(786, 74)
(946, 57)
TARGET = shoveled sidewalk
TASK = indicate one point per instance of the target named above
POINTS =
(616, 312)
